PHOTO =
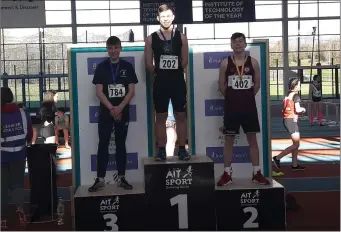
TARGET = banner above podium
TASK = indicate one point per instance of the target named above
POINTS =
(182, 10)
(228, 11)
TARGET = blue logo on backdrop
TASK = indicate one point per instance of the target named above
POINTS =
(240, 154)
(212, 59)
(95, 110)
(94, 61)
(214, 107)
(132, 162)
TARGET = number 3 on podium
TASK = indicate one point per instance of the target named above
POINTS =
(181, 201)
(250, 223)
(111, 220)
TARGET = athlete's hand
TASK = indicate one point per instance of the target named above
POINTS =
(117, 117)
(116, 110)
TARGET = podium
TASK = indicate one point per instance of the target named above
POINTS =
(244, 205)
(180, 194)
(112, 208)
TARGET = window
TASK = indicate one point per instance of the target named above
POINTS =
(268, 11)
(260, 29)
(92, 16)
(123, 32)
(276, 59)
(308, 10)
(54, 66)
(92, 34)
(306, 43)
(329, 9)
(293, 43)
(329, 42)
(306, 27)
(57, 34)
(293, 28)
(125, 16)
(53, 51)
(33, 67)
(22, 35)
(58, 17)
(224, 30)
(58, 5)
(292, 10)
(92, 5)
(15, 67)
(124, 4)
(195, 31)
(33, 51)
(15, 52)
(293, 58)
(262, 2)
(329, 26)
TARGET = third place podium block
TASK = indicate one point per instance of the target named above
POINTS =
(180, 194)
(112, 209)
(247, 206)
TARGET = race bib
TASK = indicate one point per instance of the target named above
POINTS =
(116, 91)
(169, 62)
(244, 83)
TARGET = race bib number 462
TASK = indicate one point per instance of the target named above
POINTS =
(241, 83)
(169, 62)
(116, 91)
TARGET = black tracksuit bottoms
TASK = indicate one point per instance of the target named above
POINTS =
(105, 125)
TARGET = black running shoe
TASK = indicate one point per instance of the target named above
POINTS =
(297, 168)
(277, 162)
(123, 183)
(98, 185)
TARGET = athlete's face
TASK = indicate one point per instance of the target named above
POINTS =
(114, 51)
(166, 19)
(298, 87)
(238, 44)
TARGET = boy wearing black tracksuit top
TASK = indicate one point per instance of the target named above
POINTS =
(115, 81)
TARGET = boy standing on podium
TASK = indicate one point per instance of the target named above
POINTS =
(115, 81)
(239, 82)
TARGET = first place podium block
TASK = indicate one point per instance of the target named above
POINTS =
(180, 194)
(244, 205)
(112, 209)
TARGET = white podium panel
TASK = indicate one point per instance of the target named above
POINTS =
(209, 109)
(84, 116)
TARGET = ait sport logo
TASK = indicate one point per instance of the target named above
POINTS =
(250, 198)
(178, 178)
(110, 205)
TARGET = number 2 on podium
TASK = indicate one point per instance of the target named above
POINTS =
(181, 201)
(250, 223)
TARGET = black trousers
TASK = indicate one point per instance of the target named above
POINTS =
(42, 174)
(105, 126)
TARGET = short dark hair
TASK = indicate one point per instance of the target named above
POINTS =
(238, 35)
(293, 82)
(113, 41)
(61, 109)
(6, 95)
(163, 8)
(315, 77)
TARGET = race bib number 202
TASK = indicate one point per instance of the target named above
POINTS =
(169, 62)
(241, 83)
(116, 91)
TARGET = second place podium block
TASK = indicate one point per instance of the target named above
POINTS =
(180, 194)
